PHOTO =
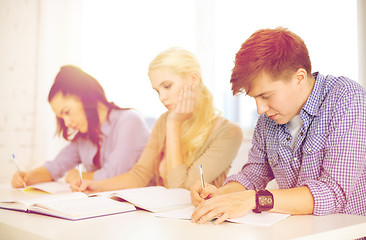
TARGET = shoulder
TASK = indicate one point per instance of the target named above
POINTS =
(341, 93)
(123, 115)
(342, 87)
(225, 127)
(161, 121)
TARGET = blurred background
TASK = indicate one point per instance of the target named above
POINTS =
(115, 40)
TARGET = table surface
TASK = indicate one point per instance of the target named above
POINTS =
(143, 225)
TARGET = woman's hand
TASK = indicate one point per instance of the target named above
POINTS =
(86, 186)
(185, 106)
(198, 194)
(19, 179)
(34, 176)
(222, 207)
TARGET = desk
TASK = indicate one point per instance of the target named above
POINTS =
(143, 225)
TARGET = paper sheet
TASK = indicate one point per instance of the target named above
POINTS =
(260, 219)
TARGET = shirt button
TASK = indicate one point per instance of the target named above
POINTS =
(288, 139)
(301, 134)
(295, 158)
(310, 149)
(270, 163)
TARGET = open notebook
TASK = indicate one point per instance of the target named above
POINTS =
(71, 206)
(75, 205)
(163, 202)
(154, 199)
(56, 199)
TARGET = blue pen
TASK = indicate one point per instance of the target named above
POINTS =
(17, 166)
(16, 163)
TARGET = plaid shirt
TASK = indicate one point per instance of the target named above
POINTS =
(329, 156)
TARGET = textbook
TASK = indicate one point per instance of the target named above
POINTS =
(76, 205)
(71, 206)
(48, 187)
(154, 199)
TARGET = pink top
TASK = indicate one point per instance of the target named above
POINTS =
(124, 136)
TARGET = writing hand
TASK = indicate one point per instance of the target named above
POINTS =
(198, 194)
(222, 207)
(19, 179)
(87, 186)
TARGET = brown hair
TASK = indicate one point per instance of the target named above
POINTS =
(71, 80)
(277, 52)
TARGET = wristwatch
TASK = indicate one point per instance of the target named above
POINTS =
(263, 200)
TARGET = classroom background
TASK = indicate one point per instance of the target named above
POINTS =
(115, 40)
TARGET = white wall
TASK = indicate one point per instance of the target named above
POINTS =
(39, 36)
(27, 72)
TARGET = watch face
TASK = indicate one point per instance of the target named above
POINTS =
(265, 201)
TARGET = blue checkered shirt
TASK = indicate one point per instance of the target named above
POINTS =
(329, 156)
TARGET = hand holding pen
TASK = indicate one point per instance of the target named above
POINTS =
(19, 178)
(202, 190)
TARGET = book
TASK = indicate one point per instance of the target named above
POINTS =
(76, 205)
(48, 187)
(71, 206)
(154, 199)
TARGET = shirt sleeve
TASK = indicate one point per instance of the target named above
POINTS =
(216, 159)
(65, 160)
(344, 156)
(143, 171)
(129, 137)
(256, 173)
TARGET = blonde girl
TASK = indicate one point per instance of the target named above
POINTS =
(189, 134)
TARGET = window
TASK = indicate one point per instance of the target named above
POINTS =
(120, 38)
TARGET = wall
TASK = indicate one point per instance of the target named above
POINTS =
(26, 74)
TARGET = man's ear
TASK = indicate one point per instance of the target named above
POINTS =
(301, 75)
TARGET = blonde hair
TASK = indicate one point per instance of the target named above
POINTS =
(196, 129)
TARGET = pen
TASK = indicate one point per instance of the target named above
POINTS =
(202, 179)
(17, 166)
(80, 175)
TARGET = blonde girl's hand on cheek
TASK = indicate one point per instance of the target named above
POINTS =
(185, 105)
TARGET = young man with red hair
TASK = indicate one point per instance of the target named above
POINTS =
(310, 137)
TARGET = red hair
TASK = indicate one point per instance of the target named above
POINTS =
(277, 52)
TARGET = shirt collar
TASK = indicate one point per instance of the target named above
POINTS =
(313, 103)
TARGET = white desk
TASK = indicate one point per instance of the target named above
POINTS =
(143, 225)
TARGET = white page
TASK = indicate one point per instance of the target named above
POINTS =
(261, 219)
(82, 208)
(156, 198)
(48, 187)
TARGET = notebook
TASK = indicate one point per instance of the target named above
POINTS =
(154, 199)
(56, 199)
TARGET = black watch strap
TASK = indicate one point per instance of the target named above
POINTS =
(263, 200)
